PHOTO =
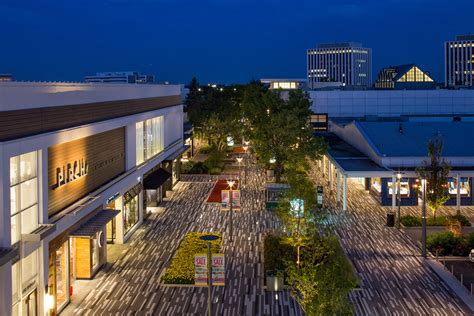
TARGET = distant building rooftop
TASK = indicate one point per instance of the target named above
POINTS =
(403, 139)
(339, 44)
(467, 37)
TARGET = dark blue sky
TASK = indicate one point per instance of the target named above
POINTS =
(218, 40)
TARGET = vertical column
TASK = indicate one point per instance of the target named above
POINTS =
(338, 187)
(344, 192)
(119, 231)
(330, 174)
(324, 165)
(6, 289)
(458, 193)
(394, 196)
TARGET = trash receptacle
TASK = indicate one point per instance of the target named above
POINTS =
(390, 219)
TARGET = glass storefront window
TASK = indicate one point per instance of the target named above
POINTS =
(139, 142)
(464, 186)
(376, 184)
(95, 251)
(149, 138)
(23, 194)
(61, 273)
(130, 213)
(404, 188)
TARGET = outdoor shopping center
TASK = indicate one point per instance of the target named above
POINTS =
(82, 167)
(381, 153)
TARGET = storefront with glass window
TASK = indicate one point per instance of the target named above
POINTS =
(77, 254)
(465, 185)
(382, 189)
(25, 285)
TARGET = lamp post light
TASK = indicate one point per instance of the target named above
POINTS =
(245, 147)
(399, 198)
(209, 239)
(239, 160)
(231, 184)
(423, 220)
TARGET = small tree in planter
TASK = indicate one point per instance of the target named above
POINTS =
(435, 170)
(297, 211)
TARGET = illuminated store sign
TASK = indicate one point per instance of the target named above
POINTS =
(70, 172)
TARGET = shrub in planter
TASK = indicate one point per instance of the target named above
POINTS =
(187, 167)
(438, 221)
(181, 268)
(205, 149)
(470, 240)
(462, 219)
(446, 243)
(276, 252)
(409, 221)
(215, 160)
(199, 168)
(215, 170)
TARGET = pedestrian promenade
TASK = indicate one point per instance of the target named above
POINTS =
(132, 286)
(394, 278)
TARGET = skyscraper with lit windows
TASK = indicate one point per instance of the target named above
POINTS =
(348, 63)
(459, 57)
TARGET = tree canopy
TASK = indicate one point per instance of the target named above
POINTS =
(214, 112)
(279, 127)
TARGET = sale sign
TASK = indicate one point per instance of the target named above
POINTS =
(218, 269)
(200, 269)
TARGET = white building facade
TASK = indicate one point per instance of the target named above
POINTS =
(80, 166)
(459, 59)
(347, 63)
(392, 103)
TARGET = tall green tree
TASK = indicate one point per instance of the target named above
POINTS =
(435, 170)
(279, 127)
(214, 112)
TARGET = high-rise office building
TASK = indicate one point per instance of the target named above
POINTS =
(459, 57)
(348, 63)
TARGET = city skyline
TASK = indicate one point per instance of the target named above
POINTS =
(227, 42)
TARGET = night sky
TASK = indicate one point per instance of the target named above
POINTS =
(225, 41)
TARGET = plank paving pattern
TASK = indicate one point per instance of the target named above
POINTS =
(394, 280)
(132, 286)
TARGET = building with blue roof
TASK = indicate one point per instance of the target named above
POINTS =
(375, 152)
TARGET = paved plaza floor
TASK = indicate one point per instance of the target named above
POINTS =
(394, 278)
(132, 285)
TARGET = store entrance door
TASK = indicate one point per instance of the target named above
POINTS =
(111, 225)
(30, 307)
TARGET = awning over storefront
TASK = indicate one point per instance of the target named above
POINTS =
(95, 224)
(178, 152)
(8, 254)
(156, 179)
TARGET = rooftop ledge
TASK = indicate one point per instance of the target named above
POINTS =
(17, 95)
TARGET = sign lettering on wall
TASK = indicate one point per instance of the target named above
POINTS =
(70, 172)
(79, 167)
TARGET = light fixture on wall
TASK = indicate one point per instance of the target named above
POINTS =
(48, 300)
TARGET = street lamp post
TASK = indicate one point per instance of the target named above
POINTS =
(245, 147)
(239, 160)
(423, 220)
(399, 198)
(209, 239)
(231, 184)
